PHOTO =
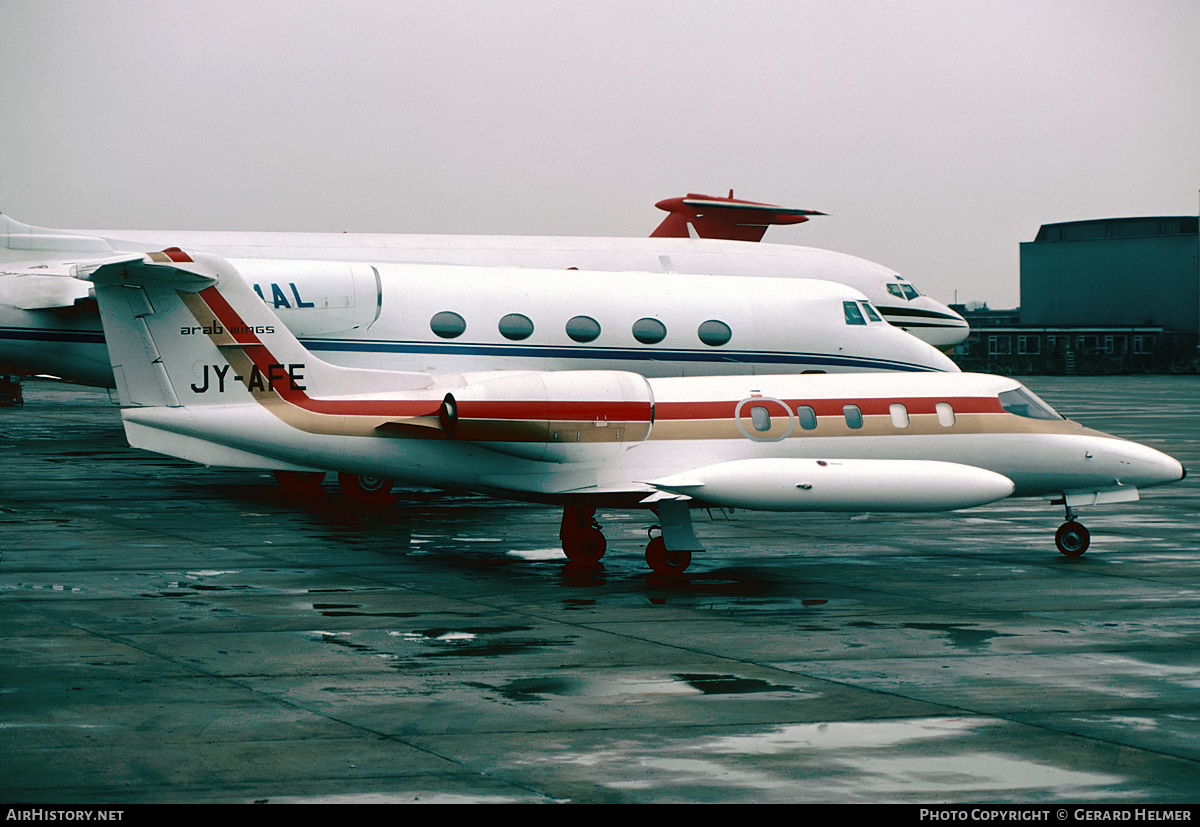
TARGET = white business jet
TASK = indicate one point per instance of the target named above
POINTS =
(206, 371)
(451, 317)
(47, 325)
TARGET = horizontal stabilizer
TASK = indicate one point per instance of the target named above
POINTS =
(171, 267)
(840, 485)
(725, 217)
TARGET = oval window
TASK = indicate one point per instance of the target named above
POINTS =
(899, 415)
(447, 324)
(760, 418)
(649, 331)
(516, 327)
(714, 333)
(583, 328)
(945, 414)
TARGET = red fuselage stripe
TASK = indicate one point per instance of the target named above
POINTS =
(564, 411)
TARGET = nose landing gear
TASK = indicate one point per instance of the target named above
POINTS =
(1072, 537)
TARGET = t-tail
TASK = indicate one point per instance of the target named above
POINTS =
(192, 346)
(188, 330)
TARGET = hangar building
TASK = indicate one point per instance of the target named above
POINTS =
(1113, 295)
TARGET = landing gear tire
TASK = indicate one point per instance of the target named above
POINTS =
(366, 489)
(300, 483)
(1072, 539)
(581, 537)
(662, 561)
(584, 545)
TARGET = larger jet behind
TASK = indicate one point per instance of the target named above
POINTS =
(366, 309)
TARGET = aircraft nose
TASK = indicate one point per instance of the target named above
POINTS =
(937, 360)
(1144, 466)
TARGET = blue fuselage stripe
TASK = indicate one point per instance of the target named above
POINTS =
(522, 351)
(610, 354)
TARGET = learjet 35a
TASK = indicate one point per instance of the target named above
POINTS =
(206, 371)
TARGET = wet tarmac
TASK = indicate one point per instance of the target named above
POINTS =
(173, 633)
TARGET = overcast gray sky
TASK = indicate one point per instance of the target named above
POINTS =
(938, 135)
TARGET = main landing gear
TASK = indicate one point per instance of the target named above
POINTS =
(304, 485)
(582, 540)
(664, 561)
(308, 485)
(373, 490)
(1072, 537)
(670, 552)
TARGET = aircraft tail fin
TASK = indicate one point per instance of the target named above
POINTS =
(713, 216)
(187, 330)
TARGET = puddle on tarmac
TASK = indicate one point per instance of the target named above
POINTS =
(536, 689)
(730, 684)
(834, 761)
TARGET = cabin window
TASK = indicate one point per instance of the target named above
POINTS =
(760, 418)
(1023, 402)
(854, 418)
(583, 329)
(447, 324)
(807, 417)
(945, 414)
(871, 314)
(714, 333)
(899, 415)
(649, 331)
(853, 313)
(516, 327)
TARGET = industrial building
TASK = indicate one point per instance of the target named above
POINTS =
(1116, 295)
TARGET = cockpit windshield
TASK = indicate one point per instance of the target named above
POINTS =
(1023, 402)
(855, 312)
(901, 289)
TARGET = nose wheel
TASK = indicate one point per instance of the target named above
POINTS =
(1072, 538)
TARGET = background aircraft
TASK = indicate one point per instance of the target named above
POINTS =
(436, 316)
(207, 372)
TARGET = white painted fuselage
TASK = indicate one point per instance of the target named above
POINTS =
(440, 317)
(899, 302)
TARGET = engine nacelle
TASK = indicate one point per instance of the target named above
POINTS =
(552, 415)
(840, 485)
(316, 298)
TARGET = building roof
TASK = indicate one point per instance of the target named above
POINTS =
(1102, 228)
